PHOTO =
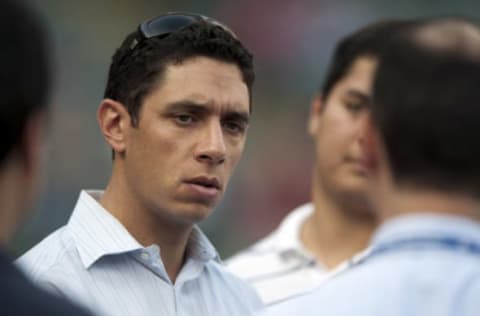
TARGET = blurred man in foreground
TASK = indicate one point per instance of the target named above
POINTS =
(317, 237)
(423, 151)
(24, 86)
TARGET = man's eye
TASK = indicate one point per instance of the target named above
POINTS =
(184, 118)
(356, 106)
(234, 128)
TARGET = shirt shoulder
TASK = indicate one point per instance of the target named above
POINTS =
(469, 304)
(262, 255)
(55, 253)
(429, 283)
(278, 266)
(266, 255)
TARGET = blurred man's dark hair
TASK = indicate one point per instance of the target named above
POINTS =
(24, 75)
(430, 122)
(368, 41)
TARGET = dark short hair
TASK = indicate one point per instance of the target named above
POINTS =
(24, 75)
(426, 105)
(134, 72)
(369, 41)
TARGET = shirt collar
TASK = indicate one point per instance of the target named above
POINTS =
(200, 248)
(286, 239)
(427, 226)
(98, 233)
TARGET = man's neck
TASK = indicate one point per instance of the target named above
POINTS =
(148, 227)
(12, 199)
(333, 234)
(408, 201)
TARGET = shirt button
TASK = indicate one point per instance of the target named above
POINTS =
(145, 256)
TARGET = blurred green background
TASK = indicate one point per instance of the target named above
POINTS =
(291, 41)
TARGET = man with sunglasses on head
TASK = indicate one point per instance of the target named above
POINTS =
(175, 113)
(316, 238)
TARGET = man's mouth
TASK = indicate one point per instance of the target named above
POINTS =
(204, 188)
(207, 182)
(360, 163)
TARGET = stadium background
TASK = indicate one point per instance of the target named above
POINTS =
(291, 41)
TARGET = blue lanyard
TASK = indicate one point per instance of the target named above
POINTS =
(446, 243)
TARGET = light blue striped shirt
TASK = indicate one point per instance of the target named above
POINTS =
(422, 265)
(95, 261)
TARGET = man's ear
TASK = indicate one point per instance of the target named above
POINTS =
(114, 122)
(316, 108)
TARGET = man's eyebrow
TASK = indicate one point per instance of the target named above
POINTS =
(189, 106)
(202, 108)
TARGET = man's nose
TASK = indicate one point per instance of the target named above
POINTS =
(211, 145)
(363, 127)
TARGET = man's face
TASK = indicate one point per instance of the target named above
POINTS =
(190, 135)
(337, 125)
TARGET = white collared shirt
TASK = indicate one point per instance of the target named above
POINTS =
(95, 261)
(278, 266)
(419, 265)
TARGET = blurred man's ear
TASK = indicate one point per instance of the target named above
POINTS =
(316, 108)
(114, 120)
(33, 144)
(23, 169)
